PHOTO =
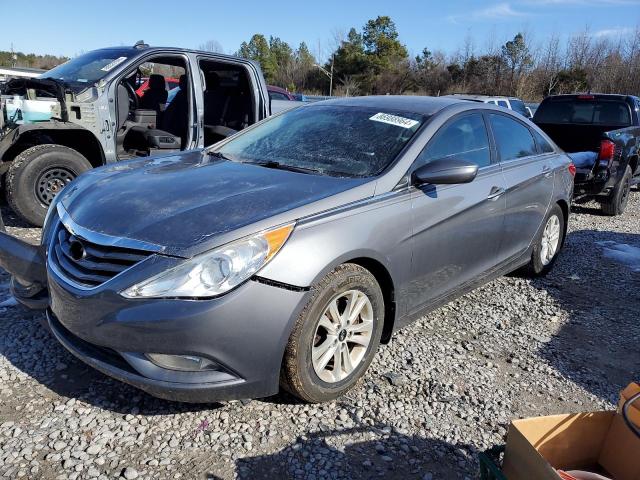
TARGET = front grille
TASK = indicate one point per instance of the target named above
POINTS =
(90, 264)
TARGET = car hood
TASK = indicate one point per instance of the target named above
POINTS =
(190, 202)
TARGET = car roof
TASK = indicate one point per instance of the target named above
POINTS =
(273, 88)
(422, 105)
(611, 96)
(479, 97)
(143, 49)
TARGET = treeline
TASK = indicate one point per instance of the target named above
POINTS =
(374, 61)
(30, 60)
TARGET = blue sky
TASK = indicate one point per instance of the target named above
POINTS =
(37, 26)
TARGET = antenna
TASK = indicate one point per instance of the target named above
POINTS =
(141, 44)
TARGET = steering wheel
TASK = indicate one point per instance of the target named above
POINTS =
(133, 96)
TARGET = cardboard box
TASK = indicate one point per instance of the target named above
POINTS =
(599, 442)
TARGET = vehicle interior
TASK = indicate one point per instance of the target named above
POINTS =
(228, 101)
(150, 118)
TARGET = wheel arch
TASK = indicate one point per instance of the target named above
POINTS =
(68, 135)
(633, 163)
(385, 280)
(564, 206)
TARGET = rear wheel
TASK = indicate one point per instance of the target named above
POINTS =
(548, 243)
(617, 201)
(37, 175)
(335, 337)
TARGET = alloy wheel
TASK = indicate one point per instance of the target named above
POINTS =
(550, 240)
(342, 336)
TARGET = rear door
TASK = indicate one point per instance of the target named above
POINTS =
(456, 228)
(529, 182)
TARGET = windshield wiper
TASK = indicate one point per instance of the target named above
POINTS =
(219, 155)
(284, 166)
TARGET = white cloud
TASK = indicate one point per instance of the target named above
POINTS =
(500, 10)
(613, 32)
(493, 12)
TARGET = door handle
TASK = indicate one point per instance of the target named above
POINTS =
(495, 193)
(546, 170)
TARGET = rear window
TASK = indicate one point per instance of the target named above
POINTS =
(573, 110)
(330, 139)
(513, 139)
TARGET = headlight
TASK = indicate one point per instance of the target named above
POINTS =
(216, 272)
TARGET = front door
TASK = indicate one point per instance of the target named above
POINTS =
(456, 228)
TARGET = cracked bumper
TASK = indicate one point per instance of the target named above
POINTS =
(27, 265)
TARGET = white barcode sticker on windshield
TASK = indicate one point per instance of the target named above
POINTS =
(113, 64)
(394, 120)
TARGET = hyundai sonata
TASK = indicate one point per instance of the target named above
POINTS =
(284, 255)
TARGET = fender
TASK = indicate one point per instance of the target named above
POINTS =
(51, 127)
(321, 243)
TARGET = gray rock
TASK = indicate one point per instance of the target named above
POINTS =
(130, 473)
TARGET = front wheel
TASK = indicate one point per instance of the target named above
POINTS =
(548, 243)
(335, 337)
(37, 175)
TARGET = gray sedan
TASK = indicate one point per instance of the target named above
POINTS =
(285, 254)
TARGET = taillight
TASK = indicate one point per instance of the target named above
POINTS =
(606, 153)
(572, 169)
(586, 97)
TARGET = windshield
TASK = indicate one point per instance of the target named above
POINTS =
(575, 110)
(519, 106)
(87, 69)
(328, 139)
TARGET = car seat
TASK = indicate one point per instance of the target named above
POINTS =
(155, 96)
(176, 117)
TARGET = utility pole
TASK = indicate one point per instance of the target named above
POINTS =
(333, 57)
(14, 57)
(328, 74)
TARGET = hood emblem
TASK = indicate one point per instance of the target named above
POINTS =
(77, 251)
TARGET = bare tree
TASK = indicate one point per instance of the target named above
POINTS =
(211, 46)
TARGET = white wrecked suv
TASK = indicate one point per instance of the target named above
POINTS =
(114, 104)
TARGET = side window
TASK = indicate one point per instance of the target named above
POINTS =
(513, 139)
(543, 145)
(503, 103)
(465, 138)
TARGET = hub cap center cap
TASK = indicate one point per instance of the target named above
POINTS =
(342, 335)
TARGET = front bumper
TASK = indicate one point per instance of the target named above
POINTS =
(27, 265)
(244, 332)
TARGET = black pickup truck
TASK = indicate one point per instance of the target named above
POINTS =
(601, 133)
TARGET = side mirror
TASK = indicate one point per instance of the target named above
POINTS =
(445, 171)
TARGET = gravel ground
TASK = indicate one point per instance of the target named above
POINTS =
(443, 390)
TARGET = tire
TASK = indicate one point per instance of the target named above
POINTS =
(37, 174)
(616, 204)
(540, 263)
(308, 380)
